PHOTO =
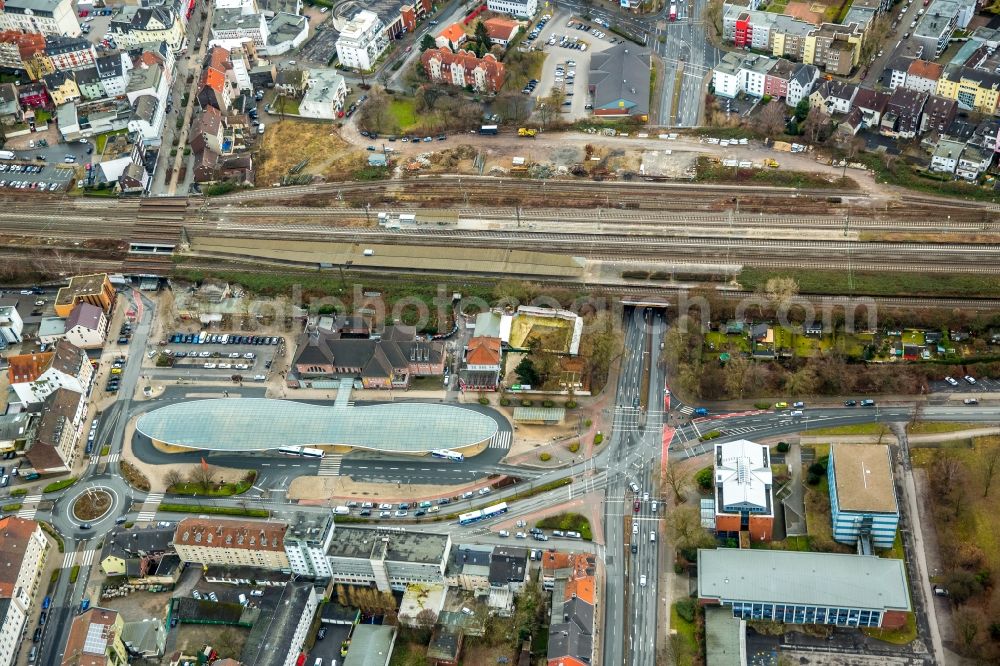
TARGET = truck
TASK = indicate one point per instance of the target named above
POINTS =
(527, 132)
(673, 12)
(489, 129)
(7, 155)
(771, 163)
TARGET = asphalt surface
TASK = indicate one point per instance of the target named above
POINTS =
(688, 58)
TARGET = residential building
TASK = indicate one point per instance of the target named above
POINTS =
(501, 30)
(836, 49)
(507, 577)
(49, 17)
(834, 96)
(863, 502)
(133, 26)
(11, 112)
(286, 32)
(23, 550)
(574, 598)
(113, 71)
(306, 542)
(95, 639)
(35, 376)
(130, 549)
(217, 86)
(53, 448)
(923, 75)
(777, 78)
(903, 113)
(481, 370)
(796, 587)
(68, 53)
(362, 41)
(383, 363)
(801, 84)
(146, 638)
(744, 498)
(11, 325)
(62, 87)
(938, 114)
(231, 27)
(619, 82)
(86, 326)
(935, 28)
(291, 82)
(95, 289)
(973, 89)
(463, 69)
(279, 634)
(389, 560)
(89, 83)
(870, 104)
(17, 48)
(894, 74)
(445, 647)
(324, 98)
(973, 162)
(148, 80)
(51, 330)
(210, 541)
(146, 122)
(469, 568)
(519, 8)
(452, 37)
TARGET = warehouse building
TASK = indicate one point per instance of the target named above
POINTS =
(863, 504)
(805, 588)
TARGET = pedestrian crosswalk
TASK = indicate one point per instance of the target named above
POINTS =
(29, 507)
(68, 559)
(501, 440)
(114, 457)
(330, 466)
(88, 558)
(687, 410)
(149, 507)
(737, 431)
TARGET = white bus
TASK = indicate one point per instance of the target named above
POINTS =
(300, 451)
(453, 456)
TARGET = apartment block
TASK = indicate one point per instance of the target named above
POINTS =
(23, 549)
(210, 541)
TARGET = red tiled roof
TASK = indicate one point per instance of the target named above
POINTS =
(925, 69)
(483, 351)
(501, 28)
(454, 33)
(28, 367)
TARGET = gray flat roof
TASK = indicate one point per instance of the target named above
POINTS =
(810, 579)
(401, 546)
(260, 424)
(371, 645)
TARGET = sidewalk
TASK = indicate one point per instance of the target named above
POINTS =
(890, 437)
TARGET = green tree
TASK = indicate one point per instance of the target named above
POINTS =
(704, 478)
(427, 42)
(802, 110)
(482, 37)
(527, 372)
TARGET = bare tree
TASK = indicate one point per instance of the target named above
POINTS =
(684, 526)
(202, 476)
(172, 478)
(677, 481)
(991, 456)
(771, 119)
(816, 125)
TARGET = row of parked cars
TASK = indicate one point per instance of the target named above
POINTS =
(115, 376)
(223, 339)
(533, 35)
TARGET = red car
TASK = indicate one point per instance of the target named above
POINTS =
(636, 506)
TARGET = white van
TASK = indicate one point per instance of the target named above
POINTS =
(652, 536)
(342, 511)
(369, 253)
(634, 486)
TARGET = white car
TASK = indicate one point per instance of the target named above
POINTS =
(521, 535)
(970, 379)
(210, 366)
(504, 533)
(484, 491)
(951, 380)
(642, 580)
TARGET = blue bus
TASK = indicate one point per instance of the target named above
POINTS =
(484, 514)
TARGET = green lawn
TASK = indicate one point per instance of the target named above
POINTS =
(853, 429)
(42, 116)
(931, 427)
(56, 486)
(404, 112)
(876, 284)
(224, 490)
(912, 337)
(102, 139)
(687, 643)
(567, 521)
(218, 510)
(723, 342)
(287, 105)
(902, 636)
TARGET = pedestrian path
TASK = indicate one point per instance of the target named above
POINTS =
(88, 558)
(28, 512)
(330, 466)
(501, 440)
(114, 457)
(149, 507)
(687, 410)
(68, 559)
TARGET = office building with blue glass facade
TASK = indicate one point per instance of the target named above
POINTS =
(862, 495)
(805, 588)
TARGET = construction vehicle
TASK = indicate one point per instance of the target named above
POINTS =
(771, 163)
(527, 132)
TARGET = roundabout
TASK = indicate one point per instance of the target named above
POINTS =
(93, 504)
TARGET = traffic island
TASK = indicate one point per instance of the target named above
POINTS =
(93, 504)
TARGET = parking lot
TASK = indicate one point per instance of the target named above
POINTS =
(563, 25)
(248, 355)
(34, 177)
(321, 48)
(960, 385)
